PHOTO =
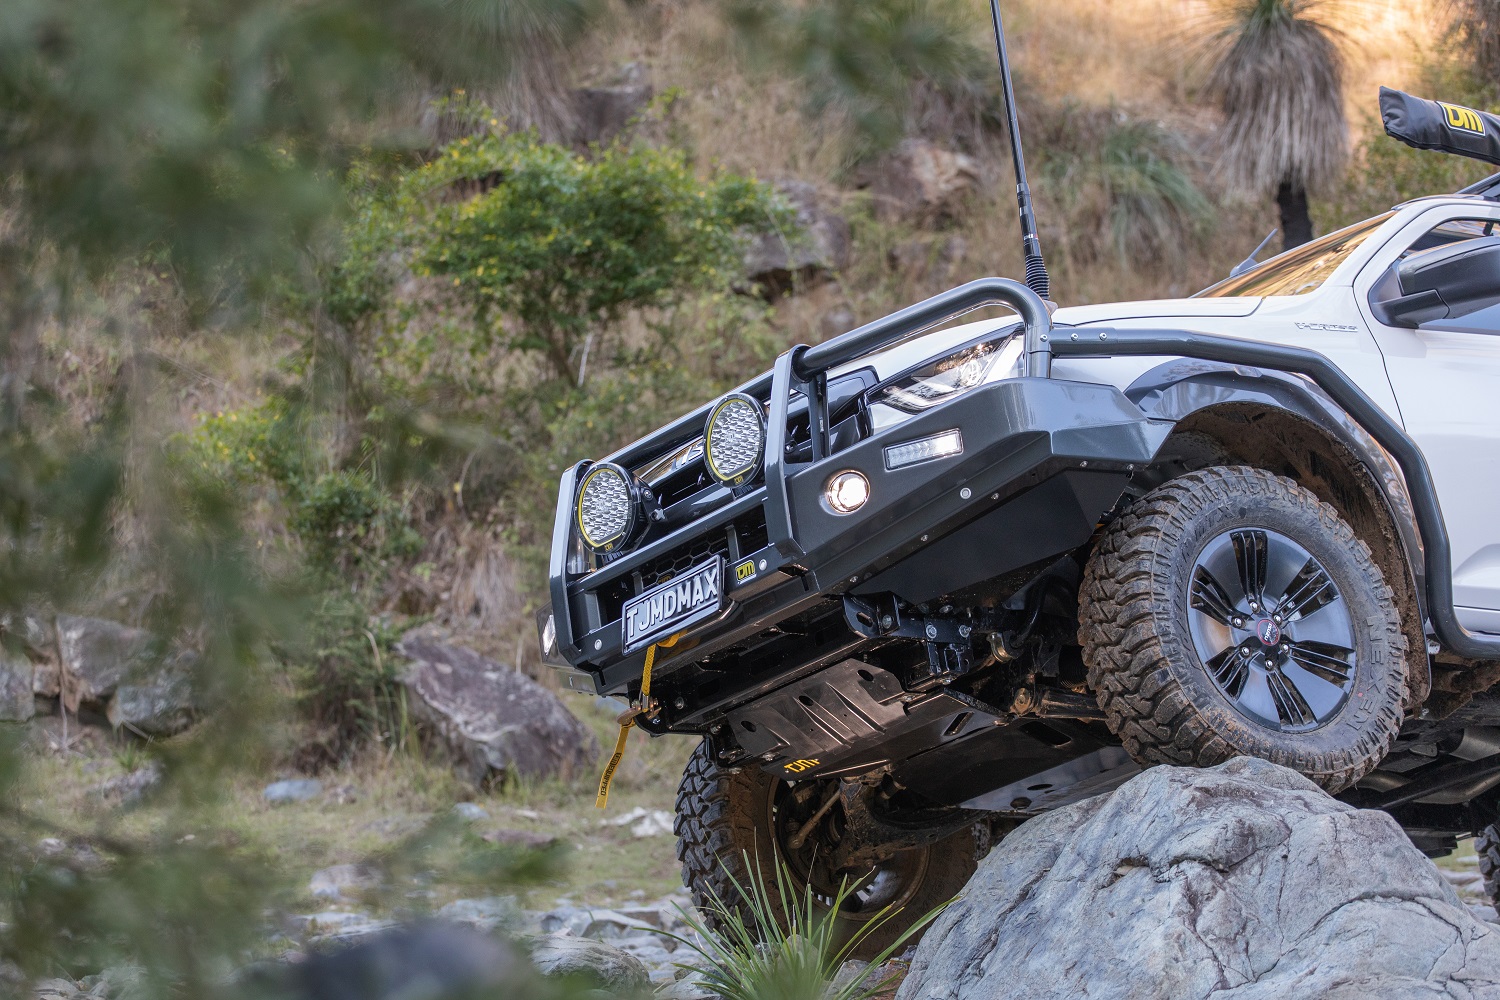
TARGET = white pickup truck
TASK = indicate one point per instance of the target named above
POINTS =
(913, 587)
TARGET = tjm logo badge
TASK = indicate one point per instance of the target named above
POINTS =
(1462, 119)
(798, 766)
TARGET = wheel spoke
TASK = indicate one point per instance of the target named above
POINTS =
(1320, 695)
(1285, 561)
(1250, 557)
(1219, 565)
(1328, 625)
(1291, 707)
(1323, 661)
(1229, 669)
(1309, 591)
(1208, 596)
(1256, 697)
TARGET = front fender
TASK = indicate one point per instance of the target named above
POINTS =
(1177, 389)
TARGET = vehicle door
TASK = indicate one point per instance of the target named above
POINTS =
(1445, 372)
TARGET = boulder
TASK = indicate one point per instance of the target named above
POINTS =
(122, 668)
(487, 914)
(1241, 882)
(96, 655)
(156, 702)
(404, 963)
(820, 245)
(495, 720)
(17, 701)
(613, 969)
(919, 178)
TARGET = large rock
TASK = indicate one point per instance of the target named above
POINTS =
(919, 178)
(614, 970)
(17, 702)
(126, 672)
(1239, 882)
(495, 720)
(156, 702)
(819, 246)
(96, 656)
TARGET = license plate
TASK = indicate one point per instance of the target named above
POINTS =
(672, 606)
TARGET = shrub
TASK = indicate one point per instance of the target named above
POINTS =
(564, 246)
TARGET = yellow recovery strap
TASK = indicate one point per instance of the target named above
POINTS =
(627, 719)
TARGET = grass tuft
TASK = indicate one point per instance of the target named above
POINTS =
(753, 956)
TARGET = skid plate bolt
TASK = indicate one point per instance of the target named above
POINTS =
(931, 631)
(886, 621)
(1084, 464)
(762, 565)
(1239, 623)
(598, 644)
(1075, 336)
(924, 538)
(965, 493)
(964, 631)
(679, 704)
(1103, 336)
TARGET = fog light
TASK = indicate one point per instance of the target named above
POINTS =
(926, 449)
(846, 492)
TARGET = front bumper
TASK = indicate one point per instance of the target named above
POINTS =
(1084, 439)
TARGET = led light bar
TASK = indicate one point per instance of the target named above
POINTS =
(926, 449)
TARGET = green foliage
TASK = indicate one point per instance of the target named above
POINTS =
(345, 518)
(347, 677)
(566, 245)
(755, 957)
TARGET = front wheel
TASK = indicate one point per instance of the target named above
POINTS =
(732, 826)
(1230, 612)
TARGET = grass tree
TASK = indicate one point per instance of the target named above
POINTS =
(1277, 72)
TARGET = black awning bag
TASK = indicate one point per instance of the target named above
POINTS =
(1451, 128)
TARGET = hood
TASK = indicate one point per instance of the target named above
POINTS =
(913, 352)
(1110, 312)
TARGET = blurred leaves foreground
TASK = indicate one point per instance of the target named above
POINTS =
(201, 144)
(177, 166)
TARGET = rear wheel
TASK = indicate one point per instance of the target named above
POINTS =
(1230, 612)
(732, 826)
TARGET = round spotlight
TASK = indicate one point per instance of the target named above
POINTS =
(609, 508)
(846, 492)
(734, 439)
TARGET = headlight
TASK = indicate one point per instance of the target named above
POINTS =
(734, 439)
(609, 507)
(951, 377)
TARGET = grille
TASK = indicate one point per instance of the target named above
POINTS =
(673, 563)
(751, 533)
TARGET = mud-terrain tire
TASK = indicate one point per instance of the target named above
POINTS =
(725, 825)
(1487, 846)
(1147, 618)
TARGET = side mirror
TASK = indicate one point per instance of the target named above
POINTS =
(1443, 283)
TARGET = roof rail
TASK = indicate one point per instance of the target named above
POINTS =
(1487, 188)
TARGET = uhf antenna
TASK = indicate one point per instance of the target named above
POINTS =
(1036, 267)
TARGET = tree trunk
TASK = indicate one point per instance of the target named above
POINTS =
(1296, 224)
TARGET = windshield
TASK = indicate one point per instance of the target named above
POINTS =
(1298, 271)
